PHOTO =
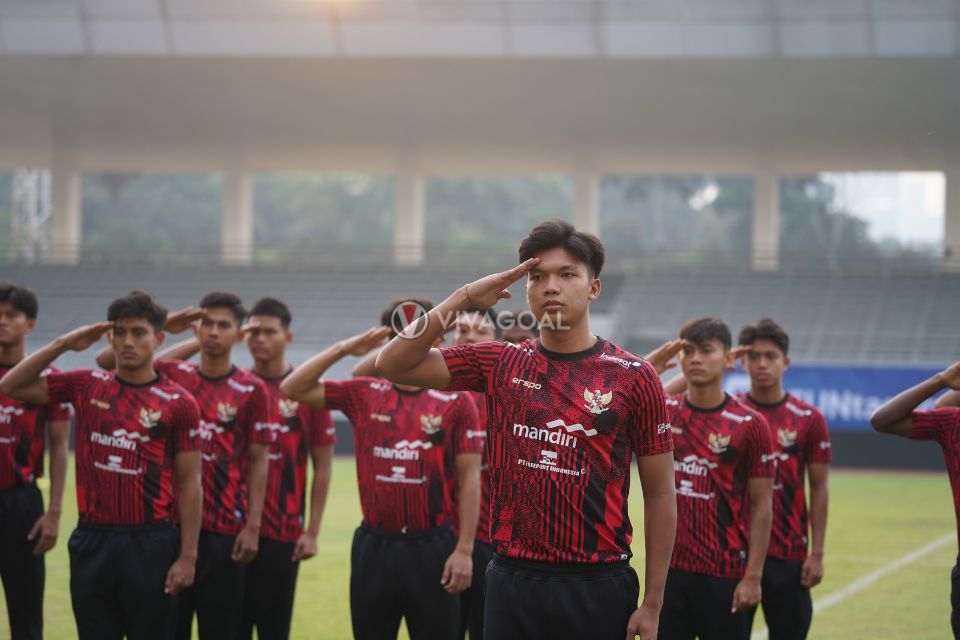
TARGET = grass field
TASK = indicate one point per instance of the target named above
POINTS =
(875, 518)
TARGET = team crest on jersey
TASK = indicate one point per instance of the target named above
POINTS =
(430, 424)
(597, 400)
(149, 418)
(719, 443)
(226, 412)
(288, 408)
(787, 438)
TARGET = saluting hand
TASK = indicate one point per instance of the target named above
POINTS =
(951, 376)
(662, 358)
(183, 319)
(82, 337)
(363, 343)
(488, 291)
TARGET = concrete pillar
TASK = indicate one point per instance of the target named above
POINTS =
(765, 239)
(586, 202)
(236, 221)
(410, 223)
(951, 217)
(65, 215)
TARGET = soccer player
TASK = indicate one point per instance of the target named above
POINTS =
(518, 326)
(801, 444)
(899, 416)
(565, 415)
(27, 532)
(406, 561)
(136, 436)
(300, 432)
(724, 482)
(474, 326)
(234, 445)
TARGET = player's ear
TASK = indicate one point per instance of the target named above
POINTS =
(161, 336)
(594, 289)
(786, 362)
(31, 325)
(289, 337)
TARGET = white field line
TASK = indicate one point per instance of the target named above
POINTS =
(868, 579)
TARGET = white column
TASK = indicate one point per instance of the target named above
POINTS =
(586, 202)
(65, 215)
(236, 221)
(765, 239)
(951, 218)
(409, 225)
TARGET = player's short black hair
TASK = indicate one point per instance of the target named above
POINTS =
(386, 316)
(273, 308)
(551, 234)
(699, 330)
(21, 298)
(138, 304)
(765, 329)
(225, 301)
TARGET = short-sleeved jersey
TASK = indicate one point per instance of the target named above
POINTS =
(943, 427)
(799, 435)
(294, 430)
(716, 452)
(561, 432)
(406, 443)
(127, 439)
(22, 436)
(231, 408)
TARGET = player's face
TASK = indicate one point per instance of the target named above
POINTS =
(14, 325)
(703, 363)
(765, 363)
(560, 288)
(471, 328)
(218, 331)
(134, 341)
(267, 339)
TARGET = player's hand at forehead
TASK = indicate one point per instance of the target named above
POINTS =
(182, 319)
(82, 337)
(662, 358)
(736, 353)
(951, 376)
(488, 291)
(365, 342)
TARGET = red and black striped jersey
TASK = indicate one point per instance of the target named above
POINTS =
(406, 444)
(943, 427)
(561, 432)
(22, 433)
(231, 408)
(127, 439)
(717, 451)
(294, 429)
(799, 435)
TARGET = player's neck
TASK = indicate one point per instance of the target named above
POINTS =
(706, 396)
(569, 339)
(138, 375)
(215, 366)
(13, 353)
(272, 368)
(768, 395)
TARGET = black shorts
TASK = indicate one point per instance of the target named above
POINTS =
(471, 600)
(21, 571)
(787, 606)
(541, 600)
(270, 582)
(117, 576)
(397, 575)
(697, 605)
(955, 600)
(217, 592)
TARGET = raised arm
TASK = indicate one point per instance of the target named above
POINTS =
(949, 399)
(304, 383)
(894, 415)
(657, 481)
(366, 367)
(24, 381)
(747, 593)
(410, 359)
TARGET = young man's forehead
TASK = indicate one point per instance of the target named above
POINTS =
(557, 259)
(265, 322)
(765, 345)
(8, 307)
(132, 323)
